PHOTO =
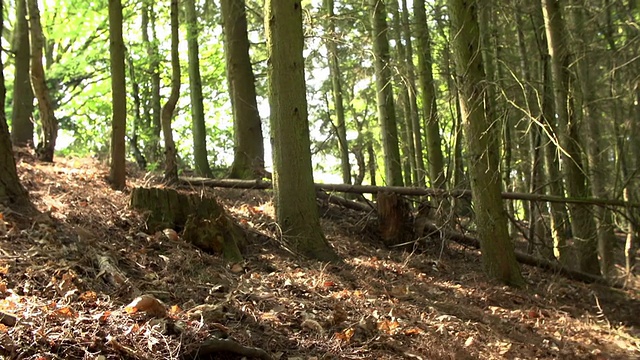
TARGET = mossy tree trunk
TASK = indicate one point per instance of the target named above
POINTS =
(205, 223)
(582, 222)
(482, 139)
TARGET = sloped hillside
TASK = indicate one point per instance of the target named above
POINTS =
(85, 280)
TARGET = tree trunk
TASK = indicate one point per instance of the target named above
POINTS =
(401, 81)
(11, 191)
(248, 160)
(558, 212)
(596, 155)
(149, 22)
(296, 209)
(336, 87)
(413, 103)
(582, 222)
(47, 145)
(141, 161)
(427, 90)
(171, 165)
(117, 175)
(483, 148)
(384, 90)
(195, 92)
(22, 114)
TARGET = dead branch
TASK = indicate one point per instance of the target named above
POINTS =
(410, 191)
(526, 258)
(113, 275)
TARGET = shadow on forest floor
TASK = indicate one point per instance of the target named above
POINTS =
(379, 304)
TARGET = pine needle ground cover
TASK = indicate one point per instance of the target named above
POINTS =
(166, 298)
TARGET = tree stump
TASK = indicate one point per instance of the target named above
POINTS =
(394, 219)
(205, 223)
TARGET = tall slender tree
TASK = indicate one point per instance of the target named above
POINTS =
(248, 159)
(171, 164)
(195, 92)
(384, 89)
(117, 174)
(11, 191)
(296, 208)
(482, 146)
(22, 114)
(336, 90)
(582, 221)
(47, 145)
(435, 158)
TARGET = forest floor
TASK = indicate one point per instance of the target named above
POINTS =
(379, 304)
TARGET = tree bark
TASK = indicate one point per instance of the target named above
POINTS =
(400, 79)
(384, 90)
(336, 88)
(47, 145)
(248, 155)
(435, 158)
(117, 174)
(11, 191)
(171, 165)
(582, 222)
(195, 92)
(155, 126)
(22, 114)
(482, 146)
(295, 199)
(411, 84)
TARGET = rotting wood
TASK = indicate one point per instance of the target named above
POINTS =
(393, 219)
(410, 191)
(205, 222)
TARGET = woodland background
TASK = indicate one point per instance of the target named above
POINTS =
(512, 122)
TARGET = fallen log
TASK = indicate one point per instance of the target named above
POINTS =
(410, 191)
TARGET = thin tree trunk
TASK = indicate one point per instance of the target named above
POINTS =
(401, 81)
(137, 116)
(248, 161)
(195, 92)
(47, 145)
(117, 174)
(22, 114)
(413, 103)
(435, 159)
(582, 223)
(154, 71)
(11, 191)
(336, 87)
(171, 166)
(384, 90)
(597, 157)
